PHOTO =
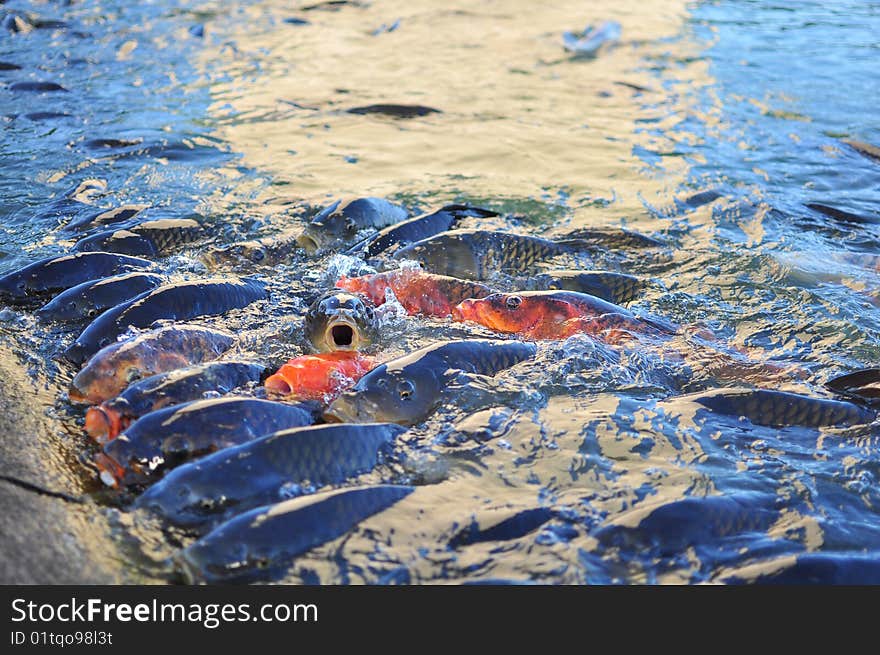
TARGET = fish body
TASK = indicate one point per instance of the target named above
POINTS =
(341, 222)
(418, 228)
(106, 217)
(418, 291)
(408, 389)
(255, 473)
(54, 274)
(319, 377)
(116, 366)
(168, 436)
(340, 321)
(616, 288)
(479, 254)
(105, 421)
(551, 315)
(782, 408)
(87, 300)
(263, 542)
(180, 301)
(263, 252)
(157, 238)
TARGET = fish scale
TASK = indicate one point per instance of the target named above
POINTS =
(253, 474)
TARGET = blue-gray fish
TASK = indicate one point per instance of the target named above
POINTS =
(174, 387)
(782, 408)
(341, 222)
(87, 300)
(418, 228)
(181, 301)
(617, 288)
(54, 274)
(263, 542)
(242, 477)
(169, 436)
(157, 238)
(408, 389)
(479, 254)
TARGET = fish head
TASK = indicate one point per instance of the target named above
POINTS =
(389, 395)
(220, 556)
(339, 320)
(254, 252)
(503, 312)
(104, 377)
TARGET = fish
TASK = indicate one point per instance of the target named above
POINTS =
(395, 110)
(408, 389)
(172, 435)
(480, 254)
(104, 422)
(265, 252)
(180, 301)
(416, 229)
(157, 238)
(263, 542)
(55, 274)
(340, 321)
(121, 363)
(782, 408)
(87, 300)
(862, 385)
(418, 291)
(613, 238)
(553, 315)
(257, 473)
(866, 149)
(319, 377)
(839, 214)
(671, 527)
(106, 217)
(617, 288)
(341, 222)
(36, 87)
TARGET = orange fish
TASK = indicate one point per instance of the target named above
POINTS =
(319, 377)
(553, 315)
(419, 292)
(104, 423)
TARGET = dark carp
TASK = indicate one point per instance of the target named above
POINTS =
(782, 408)
(170, 436)
(55, 274)
(340, 321)
(180, 301)
(263, 252)
(157, 238)
(105, 421)
(256, 473)
(262, 543)
(616, 288)
(121, 363)
(417, 229)
(341, 222)
(408, 389)
(87, 300)
(106, 217)
(480, 254)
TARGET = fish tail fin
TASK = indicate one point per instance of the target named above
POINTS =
(862, 385)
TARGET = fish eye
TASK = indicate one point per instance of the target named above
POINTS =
(513, 302)
(133, 374)
(258, 254)
(71, 307)
(350, 225)
(406, 389)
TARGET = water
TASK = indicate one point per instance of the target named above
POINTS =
(593, 469)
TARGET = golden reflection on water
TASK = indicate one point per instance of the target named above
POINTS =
(520, 117)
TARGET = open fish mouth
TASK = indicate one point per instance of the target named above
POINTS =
(308, 243)
(342, 334)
